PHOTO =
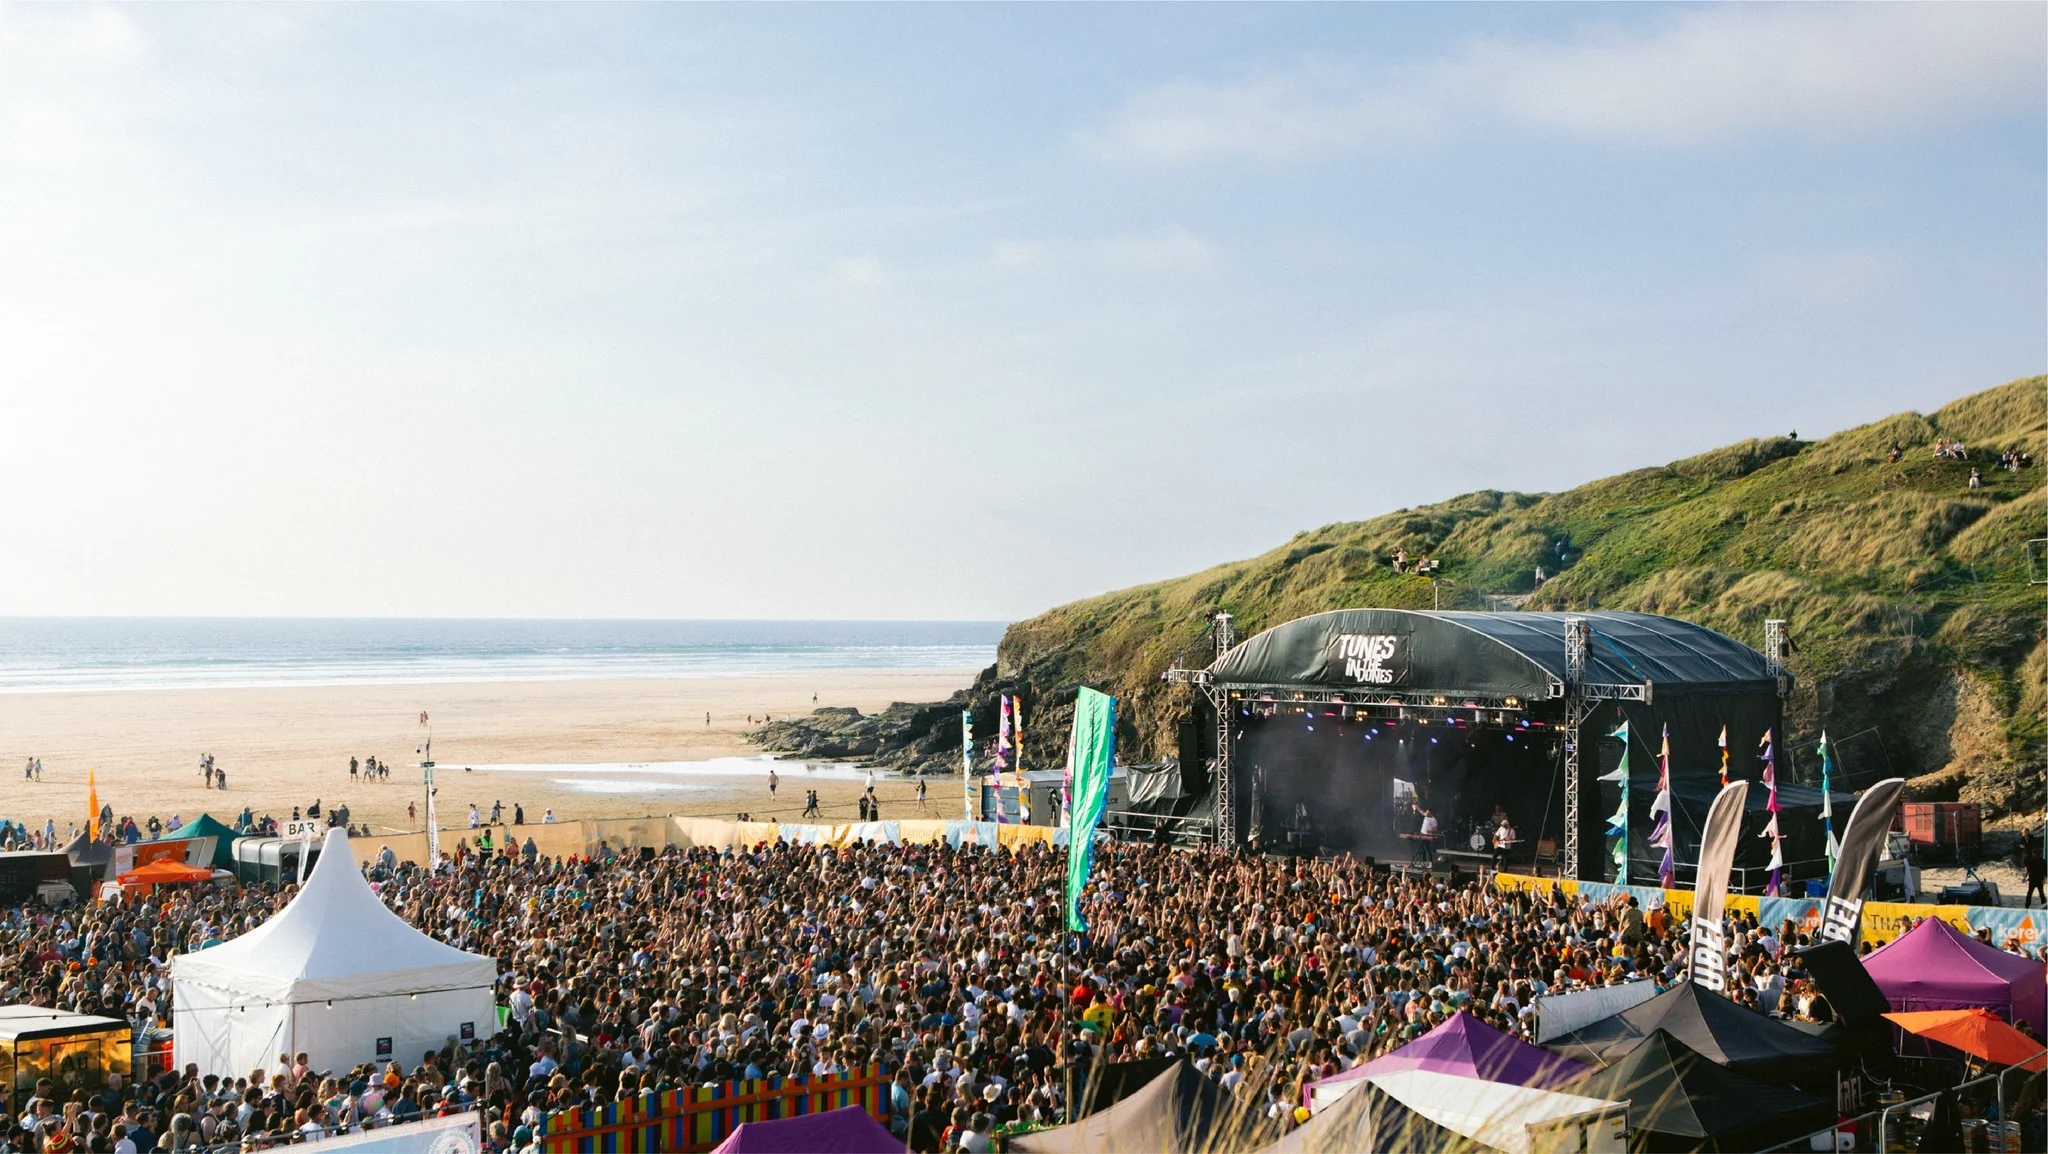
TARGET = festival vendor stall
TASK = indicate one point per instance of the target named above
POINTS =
(848, 1130)
(76, 1051)
(1678, 1100)
(165, 872)
(206, 825)
(1724, 1033)
(1935, 966)
(1179, 1110)
(335, 975)
(1465, 1046)
(1515, 1119)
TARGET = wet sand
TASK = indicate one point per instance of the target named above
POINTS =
(283, 747)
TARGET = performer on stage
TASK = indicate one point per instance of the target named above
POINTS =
(1503, 841)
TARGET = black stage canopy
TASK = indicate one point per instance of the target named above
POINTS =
(1489, 654)
(1335, 730)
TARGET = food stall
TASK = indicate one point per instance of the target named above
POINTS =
(73, 1050)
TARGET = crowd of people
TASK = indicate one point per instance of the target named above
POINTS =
(637, 971)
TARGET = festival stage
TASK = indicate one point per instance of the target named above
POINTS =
(1341, 731)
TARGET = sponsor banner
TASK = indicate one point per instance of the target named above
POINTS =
(1861, 846)
(1717, 855)
(2011, 928)
(1805, 913)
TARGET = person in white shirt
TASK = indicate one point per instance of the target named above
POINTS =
(1429, 825)
(548, 818)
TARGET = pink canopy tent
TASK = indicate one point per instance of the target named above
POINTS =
(1466, 1046)
(848, 1130)
(1934, 966)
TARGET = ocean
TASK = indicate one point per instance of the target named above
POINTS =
(69, 654)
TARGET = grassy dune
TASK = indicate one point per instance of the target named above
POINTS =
(1906, 591)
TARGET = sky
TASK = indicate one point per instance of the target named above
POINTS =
(923, 312)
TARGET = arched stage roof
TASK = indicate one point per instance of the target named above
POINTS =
(1495, 654)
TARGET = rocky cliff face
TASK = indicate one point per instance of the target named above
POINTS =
(1920, 644)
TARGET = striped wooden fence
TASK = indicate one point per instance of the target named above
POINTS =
(696, 1118)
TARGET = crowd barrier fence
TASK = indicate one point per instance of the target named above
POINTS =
(697, 1118)
(583, 839)
(1882, 921)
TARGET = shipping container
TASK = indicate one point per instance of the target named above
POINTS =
(1946, 825)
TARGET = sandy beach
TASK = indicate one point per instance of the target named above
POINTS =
(283, 747)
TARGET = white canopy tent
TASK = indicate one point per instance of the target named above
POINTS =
(335, 975)
(1515, 1119)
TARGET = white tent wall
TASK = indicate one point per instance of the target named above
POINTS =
(222, 1034)
(342, 1037)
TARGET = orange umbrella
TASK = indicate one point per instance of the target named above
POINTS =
(1979, 1032)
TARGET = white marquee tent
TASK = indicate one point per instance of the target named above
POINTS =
(336, 975)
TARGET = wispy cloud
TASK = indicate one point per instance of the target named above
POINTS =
(1281, 117)
(1173, 250)
(1701, 75)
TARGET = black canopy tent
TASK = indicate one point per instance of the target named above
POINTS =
(1522, 703)
(1679, 1100)
(1710, 1025)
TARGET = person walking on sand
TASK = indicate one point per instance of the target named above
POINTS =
(773, 781)
(921, 806)
(2037, 873)
(353, 766)
(810, 803)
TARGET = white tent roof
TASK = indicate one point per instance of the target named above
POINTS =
(1492, 1113)
(335, 940)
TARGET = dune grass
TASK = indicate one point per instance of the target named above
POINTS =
(1901, 584)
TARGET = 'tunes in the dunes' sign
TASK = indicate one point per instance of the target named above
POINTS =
(1368, 658)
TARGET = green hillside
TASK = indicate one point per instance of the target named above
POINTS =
(1907, 592)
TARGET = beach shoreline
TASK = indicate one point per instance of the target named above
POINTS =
(284, 746)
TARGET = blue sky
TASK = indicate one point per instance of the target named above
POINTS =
(947, 311)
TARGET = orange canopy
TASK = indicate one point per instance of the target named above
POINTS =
(165, 872)
(1978, 1032)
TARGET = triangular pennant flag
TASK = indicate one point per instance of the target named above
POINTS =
(1619, 822)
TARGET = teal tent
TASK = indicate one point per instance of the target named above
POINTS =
(223, 838)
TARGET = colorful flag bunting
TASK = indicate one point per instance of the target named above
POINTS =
(1774, 887)
(1827, 801)
(1660, 814)
(1617, 826)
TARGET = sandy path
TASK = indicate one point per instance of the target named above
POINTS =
(283, 747)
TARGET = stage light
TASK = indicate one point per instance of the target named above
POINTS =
(1514, 703)
(1511, 737)
(1432, 741)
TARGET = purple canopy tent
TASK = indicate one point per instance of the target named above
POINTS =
(848, 1130)
(1466, 1046)
(1934, 966)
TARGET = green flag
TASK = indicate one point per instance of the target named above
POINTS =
(1089, 757)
